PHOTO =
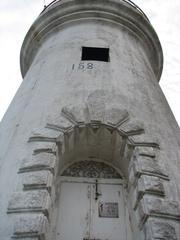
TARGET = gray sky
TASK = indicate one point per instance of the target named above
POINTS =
(16, 16)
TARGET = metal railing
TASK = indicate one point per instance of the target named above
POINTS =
(126, 1)
(50, 4)
(136, 7)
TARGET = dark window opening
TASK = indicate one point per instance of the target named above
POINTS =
(95, 54)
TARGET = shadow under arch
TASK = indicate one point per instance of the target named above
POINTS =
(95, 142)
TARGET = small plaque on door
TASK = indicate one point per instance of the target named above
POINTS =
(108, 210)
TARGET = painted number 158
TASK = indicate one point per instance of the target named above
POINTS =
(82, 66)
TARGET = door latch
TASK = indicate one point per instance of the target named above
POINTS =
(97, 194)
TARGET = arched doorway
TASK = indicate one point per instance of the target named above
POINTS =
(92, 204)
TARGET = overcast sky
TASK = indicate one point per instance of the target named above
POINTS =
(16, 16)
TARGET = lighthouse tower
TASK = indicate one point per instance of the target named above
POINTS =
(89, 148)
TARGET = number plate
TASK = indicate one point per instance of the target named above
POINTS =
(108, 210)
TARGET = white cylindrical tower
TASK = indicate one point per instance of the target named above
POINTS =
(89, 145)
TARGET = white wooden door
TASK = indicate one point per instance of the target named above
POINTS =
(91, 210)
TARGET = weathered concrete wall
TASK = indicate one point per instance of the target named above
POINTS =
(57, 79)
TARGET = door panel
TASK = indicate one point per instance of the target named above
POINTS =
(108, 213)
(74, 211)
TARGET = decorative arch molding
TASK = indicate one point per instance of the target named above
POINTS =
(78, 117)
(95, 131)
(110, 134)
